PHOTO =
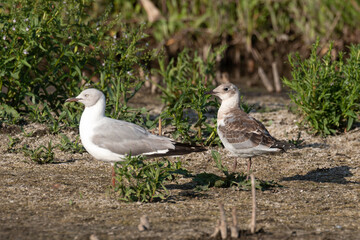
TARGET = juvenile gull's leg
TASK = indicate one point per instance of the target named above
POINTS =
(235, 165)
(248, 169)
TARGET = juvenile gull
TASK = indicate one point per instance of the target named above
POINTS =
(110, 140)
(241, 134)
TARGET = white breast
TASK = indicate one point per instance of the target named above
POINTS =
(86, 134)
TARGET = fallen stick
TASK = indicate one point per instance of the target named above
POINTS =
(277, 82)
(265, 80)
(151, 10)
(221, 224)
(253, 216)
(216, 231)
(234, 228)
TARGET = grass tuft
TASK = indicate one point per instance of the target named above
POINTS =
(137, 180)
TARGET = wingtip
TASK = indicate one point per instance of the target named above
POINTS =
(188, 148)
(283, 145)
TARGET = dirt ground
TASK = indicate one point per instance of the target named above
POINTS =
(72, 198)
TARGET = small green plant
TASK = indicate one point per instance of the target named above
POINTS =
(40, 155)
(298, 141)
(9, 114)
(27, 134)
(237, 180)
(326, 90)
(137, 180)
(12, 143)
(70, 146)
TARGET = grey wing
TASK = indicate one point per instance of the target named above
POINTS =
(127, 138)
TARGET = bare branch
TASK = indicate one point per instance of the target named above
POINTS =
(265, 80)
(152, 12)
(234, 228)
(277, 82)
(217, 230)
(223, 225)
(253, 216)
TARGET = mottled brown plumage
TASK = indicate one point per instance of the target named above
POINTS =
(241, 134)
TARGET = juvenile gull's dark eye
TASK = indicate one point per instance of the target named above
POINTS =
(225, 89)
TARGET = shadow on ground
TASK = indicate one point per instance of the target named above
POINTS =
(332, 175)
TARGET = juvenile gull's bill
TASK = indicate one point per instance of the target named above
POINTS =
(110, 140)
(241, 134)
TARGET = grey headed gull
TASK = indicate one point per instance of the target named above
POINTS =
(241, 134)
(111, 140)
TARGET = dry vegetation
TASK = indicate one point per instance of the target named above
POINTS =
(72, 198)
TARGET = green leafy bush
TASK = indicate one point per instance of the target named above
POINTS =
(327, 90)
(185, 80)
(137, 180)
(9, 114)
(49, 50)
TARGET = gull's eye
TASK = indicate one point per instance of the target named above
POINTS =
(86, 95)
(226, 89)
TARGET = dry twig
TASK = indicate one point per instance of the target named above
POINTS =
(217, 230)
(265, 80)
(277, 82)
(234, 228)
(151, 10)
(221, 224)
(253, 216)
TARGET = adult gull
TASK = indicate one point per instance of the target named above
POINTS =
(111, 140)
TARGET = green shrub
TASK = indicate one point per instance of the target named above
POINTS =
(9, 114)
(185, 80)
(137, 180)
(326, 90)
(48, 50)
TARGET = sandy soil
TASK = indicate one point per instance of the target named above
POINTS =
(72, 199)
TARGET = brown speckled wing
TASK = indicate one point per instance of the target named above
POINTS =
(243, 131)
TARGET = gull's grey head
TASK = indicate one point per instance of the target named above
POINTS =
(88, 97)
(225, 91)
